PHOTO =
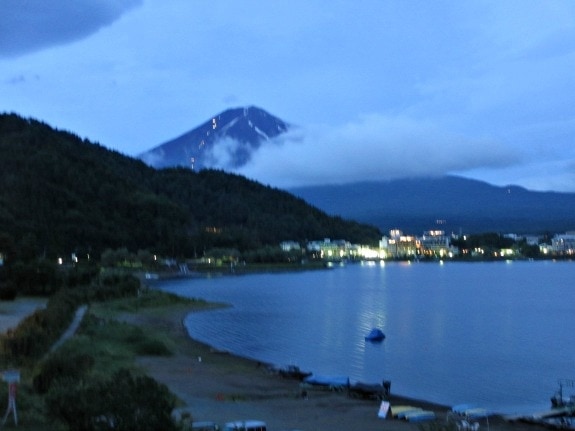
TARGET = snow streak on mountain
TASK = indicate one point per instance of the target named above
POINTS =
(226, 141)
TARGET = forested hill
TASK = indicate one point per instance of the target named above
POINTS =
(60, 194)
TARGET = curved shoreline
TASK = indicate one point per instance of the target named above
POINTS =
(221, 386)
(438, 362)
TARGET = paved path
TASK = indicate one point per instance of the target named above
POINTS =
(72, 328)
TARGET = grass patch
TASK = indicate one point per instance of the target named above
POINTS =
(110, 331)
(114, 341)
(99, 350)
(149, 301)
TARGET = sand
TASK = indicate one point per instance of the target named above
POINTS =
(221, 387)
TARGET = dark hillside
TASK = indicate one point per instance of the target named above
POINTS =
(249, 213)
(68, 193)
(64, 194)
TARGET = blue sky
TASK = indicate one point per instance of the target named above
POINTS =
(378, 89)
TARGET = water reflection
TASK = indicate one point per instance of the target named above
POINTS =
(484, 333)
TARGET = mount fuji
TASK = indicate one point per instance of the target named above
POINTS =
(226, 141)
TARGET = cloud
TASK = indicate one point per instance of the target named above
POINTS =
(31, 25)
(485, 76)
(541, 175)
(153, 158)
(375, 147)
(224, 154)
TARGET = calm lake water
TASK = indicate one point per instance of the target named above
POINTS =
(499, 335)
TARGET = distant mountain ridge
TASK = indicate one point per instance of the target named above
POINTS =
(225, 141)
(228, 140)
(450, 203)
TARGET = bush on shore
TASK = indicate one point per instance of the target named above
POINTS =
(64, 365)
(35, 334)
(123, 402)
(90, 382)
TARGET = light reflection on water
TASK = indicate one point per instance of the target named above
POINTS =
(496, 334)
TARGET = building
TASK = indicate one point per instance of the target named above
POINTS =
(399, 245)
(435, 243)
(290, 246)
(330, 250)
(563, 244)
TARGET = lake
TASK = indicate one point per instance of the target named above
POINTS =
(497, 334)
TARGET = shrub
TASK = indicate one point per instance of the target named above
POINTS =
(123, 403)
(152, 348)
(62, 366)
(37, 332)
(115, 286)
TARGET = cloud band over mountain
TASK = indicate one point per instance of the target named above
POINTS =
(374, 147)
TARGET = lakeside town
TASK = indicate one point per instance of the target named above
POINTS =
(436, 244)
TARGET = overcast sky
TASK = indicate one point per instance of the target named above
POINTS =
(379, 89)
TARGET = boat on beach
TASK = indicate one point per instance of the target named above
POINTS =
(411, 413)
(420, 416)
(469, 417)
(470, 411)
(399, 412)
(245, 425)
(331, 383)
(559, 399)
(290, 372)
(370, 390)
(562, 412)
(561, 415)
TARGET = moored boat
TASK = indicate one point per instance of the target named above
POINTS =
(375, 334)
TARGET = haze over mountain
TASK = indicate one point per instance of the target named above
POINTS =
(225, 141)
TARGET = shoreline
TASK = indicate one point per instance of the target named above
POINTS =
(221, 387)
(462, 371)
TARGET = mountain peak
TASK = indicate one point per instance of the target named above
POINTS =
(226, 141)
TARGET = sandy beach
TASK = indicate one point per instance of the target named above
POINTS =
(222, 387)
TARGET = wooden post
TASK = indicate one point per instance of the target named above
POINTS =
(12, 377)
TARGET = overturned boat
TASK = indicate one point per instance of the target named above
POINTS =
(370, 390)
(331, 383)
(290, 372)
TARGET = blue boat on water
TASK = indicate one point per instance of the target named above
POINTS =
(375, 335)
